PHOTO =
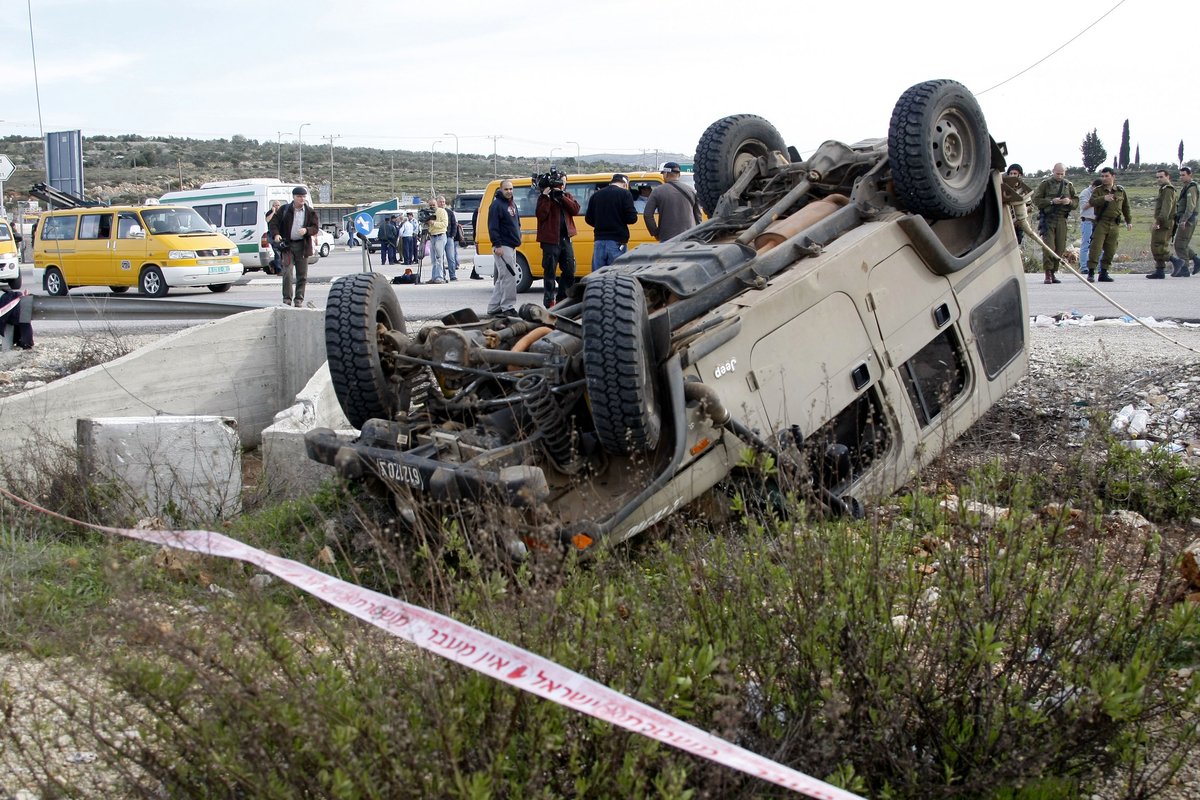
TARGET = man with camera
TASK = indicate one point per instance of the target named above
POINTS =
(435, 221)
(556, 210)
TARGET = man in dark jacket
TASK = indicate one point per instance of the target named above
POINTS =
(504, 228)
(556, 210)
(389, 234)
(610, 213)
(293, 228)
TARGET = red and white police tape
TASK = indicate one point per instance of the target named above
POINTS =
(483, 653)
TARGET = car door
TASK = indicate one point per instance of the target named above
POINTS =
(130, 251)
(93, 249)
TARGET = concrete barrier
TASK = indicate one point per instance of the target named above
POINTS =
(182, 469)
(248, 366)
(287, 469)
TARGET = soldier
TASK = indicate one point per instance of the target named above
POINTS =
(1160, 231)
(1185, 226)
(1055, 197)
(1111, 204)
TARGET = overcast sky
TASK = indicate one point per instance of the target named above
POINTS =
(612, 75)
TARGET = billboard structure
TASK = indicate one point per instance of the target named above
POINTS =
(64, 161)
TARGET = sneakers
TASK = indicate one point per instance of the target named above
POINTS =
(475, 277)
(436, 281)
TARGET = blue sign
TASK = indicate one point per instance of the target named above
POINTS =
(363, 223)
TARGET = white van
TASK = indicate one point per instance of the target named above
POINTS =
(238, 210)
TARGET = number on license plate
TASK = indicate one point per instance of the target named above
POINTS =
(223, 268)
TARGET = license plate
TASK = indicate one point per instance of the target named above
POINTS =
(214, 270)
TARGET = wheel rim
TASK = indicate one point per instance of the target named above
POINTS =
(750, 150)
(951, 146)
(151, 283)
(52, 283)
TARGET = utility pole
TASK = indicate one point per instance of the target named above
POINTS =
(393, 173)
(577, 167)
(279, 154)
(456, 186)
(495, 161)
(300, 136)
(330, 139)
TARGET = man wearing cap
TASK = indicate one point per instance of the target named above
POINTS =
(675, 203)
(293, 228)
(610, 213)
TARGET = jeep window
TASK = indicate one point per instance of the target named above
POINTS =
(935, 376)
(241, 213)
(175, 220)
(95, 226)
(999, 328)
(59, 228)
(862, 427)
(210, 213)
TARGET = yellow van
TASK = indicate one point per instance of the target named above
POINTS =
(529, 254)
(151, 247)
(10, 259)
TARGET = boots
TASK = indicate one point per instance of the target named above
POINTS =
(1091, 273)
(1178, 265)
(1160, 271)
(1195, 265)
(1049, 276)
(1104, 278)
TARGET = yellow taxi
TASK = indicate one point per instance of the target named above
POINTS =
(153, 248)
(581, 187)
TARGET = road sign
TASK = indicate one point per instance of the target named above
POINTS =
(362, 223)
(6, 168)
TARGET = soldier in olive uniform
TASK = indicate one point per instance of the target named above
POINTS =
(1185, 225)
(1164, 218)
(1111, 204)
(1055, 196)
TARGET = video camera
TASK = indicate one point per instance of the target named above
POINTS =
(553, 179)
(425, 215)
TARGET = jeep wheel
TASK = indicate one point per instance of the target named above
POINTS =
(54, 283)
(152, 283)
(616, 363)
(939, 150)
(726, 148)
(360, 308)
(524, 277)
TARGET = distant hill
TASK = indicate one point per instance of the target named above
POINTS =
(130, 168)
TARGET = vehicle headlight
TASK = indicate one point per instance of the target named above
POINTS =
(180, 255)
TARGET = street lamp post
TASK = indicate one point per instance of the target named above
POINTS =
(576, 154)
(279, 153)
(330, 138)
(300, 136)
(432, 150)
(456, 186)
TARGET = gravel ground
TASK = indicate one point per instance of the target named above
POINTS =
(1076, 370)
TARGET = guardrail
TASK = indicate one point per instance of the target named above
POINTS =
(114, 307)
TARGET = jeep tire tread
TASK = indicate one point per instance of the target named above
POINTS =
(724, 150)
(357, 306)
(617, 365)
(939, 150)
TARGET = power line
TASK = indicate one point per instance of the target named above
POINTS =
(1055, 50)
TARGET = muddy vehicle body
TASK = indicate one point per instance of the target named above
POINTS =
(849, 314)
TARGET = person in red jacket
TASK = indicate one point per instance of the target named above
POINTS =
(556, 210)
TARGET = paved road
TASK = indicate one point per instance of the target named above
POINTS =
(1172, 298)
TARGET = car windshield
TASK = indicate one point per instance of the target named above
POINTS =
(466, 203)
(5, 233)
(183, 221)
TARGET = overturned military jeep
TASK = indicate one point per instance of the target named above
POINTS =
(845, 316)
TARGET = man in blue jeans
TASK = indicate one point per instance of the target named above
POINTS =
(610, 213)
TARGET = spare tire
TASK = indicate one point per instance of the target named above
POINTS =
(725, 148)
(357, 308)
(617, 364)
(939, 150)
